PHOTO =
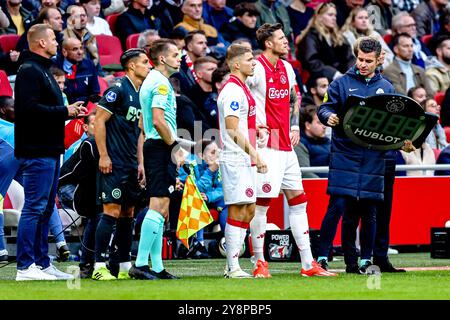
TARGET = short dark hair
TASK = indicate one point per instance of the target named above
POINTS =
(190, 36)
(413, 89)
(312, 80)
(396, 39)
(159, 47)
(265, 32)
(86, 117)
(4, 99)
(244, 7)
(130, 54)
(218, 75)
(57, 72)
(307, 115)
(205, 59)
(367, 45)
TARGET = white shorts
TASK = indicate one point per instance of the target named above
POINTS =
(238, 183)
(283, 172)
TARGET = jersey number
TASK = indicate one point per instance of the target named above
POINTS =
(133, 114)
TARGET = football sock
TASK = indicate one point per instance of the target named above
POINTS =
(149, 232)
(156, 249)
(124, 238)
(300, 229)
(103, 234)
(124, 266)
(258, 231)
(235, 232)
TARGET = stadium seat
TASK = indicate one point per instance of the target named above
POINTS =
(13, 204)
(132, 41)
(426, 39)
(388, 38)
(436, 153)
(8, 42)
(109, 49)
(447, 133)
(112, 19)
(103, 85)
(439, 97)
(296, 64)
(5, 86)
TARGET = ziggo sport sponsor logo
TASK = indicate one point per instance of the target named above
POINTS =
(276, 94)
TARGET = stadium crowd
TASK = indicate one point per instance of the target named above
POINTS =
(92, 36)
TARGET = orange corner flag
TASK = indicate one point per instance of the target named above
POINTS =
(194, 214)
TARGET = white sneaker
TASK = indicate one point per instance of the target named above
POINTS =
(59, 275)
(238, 274)
(392, 251)
(33, 273)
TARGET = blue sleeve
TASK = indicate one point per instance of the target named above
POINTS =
(215, 194)
(204, 183)
(331, 104)
(182, 174)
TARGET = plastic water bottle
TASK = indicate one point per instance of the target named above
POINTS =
(73, 257)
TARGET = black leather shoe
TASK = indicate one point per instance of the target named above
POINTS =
(164, 275)
(62, 254)
(389, 268)
(364, 267)
(141, 273)
(352, 268)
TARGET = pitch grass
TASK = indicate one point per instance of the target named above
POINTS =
(202, 280)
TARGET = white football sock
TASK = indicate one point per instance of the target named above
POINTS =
(233, 236)
(300, 230)
(258, 231)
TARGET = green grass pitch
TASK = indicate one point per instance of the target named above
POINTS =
(202, 280)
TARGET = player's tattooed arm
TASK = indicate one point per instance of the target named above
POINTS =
(295, 117)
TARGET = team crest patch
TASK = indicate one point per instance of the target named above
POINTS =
(249, 192)
(111, 96)
(266, 188)
(379, 91)
(234, 105)
(116, 193)
(163, 89)
(283, 79)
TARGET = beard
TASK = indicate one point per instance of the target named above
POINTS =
(446, 60)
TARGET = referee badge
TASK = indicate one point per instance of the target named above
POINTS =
(234, 105)
(111, 96)
(163, 89)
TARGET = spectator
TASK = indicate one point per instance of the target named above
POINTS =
(405, 23)
(170, 14)
(436, 139)
(354, 194)
(116, 7)
(314, 147)
(381, 13)
(202, 90)
(444, 30)
(216, 13)
(273, 11)
(138, 18)
(53, 18)
(427, 16)
(343, 9)
(445, 112)
(321, 48)
(358, 25)
(196, 46)
(317, 87)
(417, 93)
(218, 79)
(438, 68)
(76, 28)
(401, 72)
(146, 39)
(177, 36)
(47, 4)
(406, 5)
(20, 19)
(95, 24)
(88, 132)
(9, 61)
(39, 100)
(299, 15)
(81, 73)
(4, 21)
(192, 20)
(243, 25)
(420, 156)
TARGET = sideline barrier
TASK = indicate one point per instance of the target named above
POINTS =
(419, 204)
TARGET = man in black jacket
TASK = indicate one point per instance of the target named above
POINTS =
(39, 142)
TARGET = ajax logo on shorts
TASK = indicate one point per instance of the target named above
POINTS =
(266, 188)
(234, 105)
(249, 192)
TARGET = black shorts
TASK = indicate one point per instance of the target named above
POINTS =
(160, 171)
(120, 187)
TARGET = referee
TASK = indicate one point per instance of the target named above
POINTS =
(117, 134)
(159, 124)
